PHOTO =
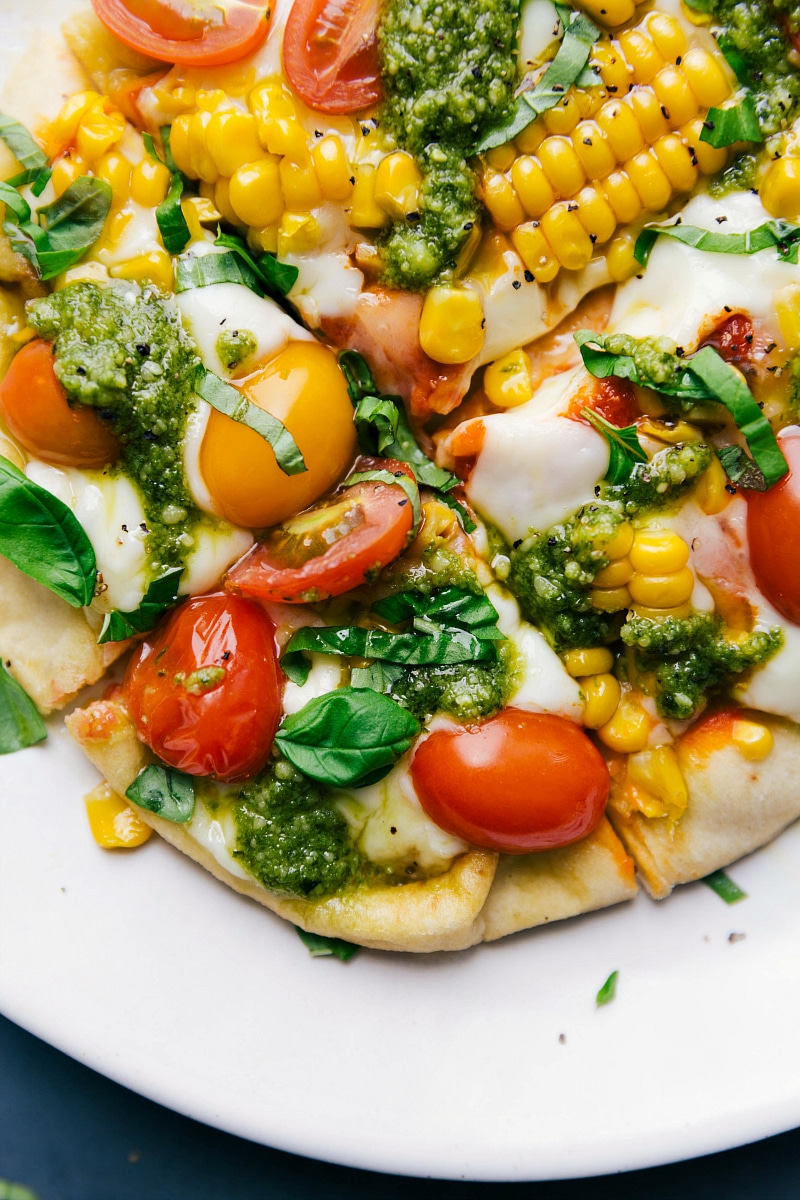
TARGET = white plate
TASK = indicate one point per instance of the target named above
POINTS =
(145, 968)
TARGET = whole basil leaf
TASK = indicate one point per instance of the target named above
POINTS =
(347, 738)
(327, 947)
(164, 791)
(72, 224)
(41, 536)
(234, 404)
(161, 594)
(20, 722)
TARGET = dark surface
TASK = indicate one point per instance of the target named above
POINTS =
(72, 1135)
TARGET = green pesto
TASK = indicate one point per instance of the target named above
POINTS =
(122, 349)
(740, 176)
(447, 77)
(235, 345)
(691, 658)
(438, 567)
(660, 482)
(293, 839)
(552, 574)
(467, 691)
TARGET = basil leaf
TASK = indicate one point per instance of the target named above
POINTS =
(740, 469)
(277, 278)
(22, 145)
(165, 792)
(440, 647)
(347, 738)
(170, 219)
(376, 419)
(166, 134)
(205, 270)
(721, 883)
(451, 607)
(20, 722)
(39, 180)
(327, 947)
(358, 376)
(377, 675)
(42, 537)
(625, 448)
(395, 479)
(782, 235)
(72, 224)
(608, 991)
(733, 56)
(567, 68)
(234, 404)
(725, 126)
(150, 147)
(296, 667)
(458, 508)
(161, 594)
(17, 205)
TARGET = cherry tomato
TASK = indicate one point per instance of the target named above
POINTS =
(732, 339)
(333, 547)
(519, 782)
(330, 54)
(195, 32)
(303, 387)
(203, 689)
(614, 399)
(773, 530)
(35, 407)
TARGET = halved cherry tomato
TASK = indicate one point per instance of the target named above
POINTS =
(35, 407)
(334, 547)
(519, 782)
(732, 338)
(203, 689)
(195, 32)
(613, 399)
(330, 54)
(773, 531)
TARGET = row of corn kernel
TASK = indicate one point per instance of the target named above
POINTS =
(651, 576)
(619, 719)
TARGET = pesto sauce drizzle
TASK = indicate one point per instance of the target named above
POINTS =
(447, 76)
(122, 349)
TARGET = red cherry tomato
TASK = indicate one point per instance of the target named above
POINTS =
(519, 782)
(732, 339)
(334, 547)
(203, 689)
(195, 32)
(35, 407)
(330, 54)
(614, 399)
(773, 530)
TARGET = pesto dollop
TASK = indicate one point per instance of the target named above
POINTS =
(235, 345)
(448, 76)
(467, 691)
(122, 350)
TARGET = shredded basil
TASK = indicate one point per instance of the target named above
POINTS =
(721, 883)
(171, 222)
(234, 404)
(624, 446)
(608, 991)
(327, 947)
(164, 791)
(780, 234)
(161, 595)
(205, 270)
(348, 738)
(22, 145)
(740, 469)
(726, 126)
(20, 722)
(42, 537)
(433, 647)
(276, 278)
(451, 607)
(66, 228)
(568, 67)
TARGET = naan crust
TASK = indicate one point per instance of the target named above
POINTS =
(735, 806)
(482, 897)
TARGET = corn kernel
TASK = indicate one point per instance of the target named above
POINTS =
(180, 146)
(641, 55)
(562, 166)
(678, 611)
(502, 202)
(255, 193)
(531, 138)
(619, 124)
(301, 190)
(297, 232)
(649, 114)
(500, 158)
(97, 133)
(451, 324)
(752, 740)
(233, 141)
(620, 544)
(628, 730)
(658, 772)
(668, 37)
(532, 186)
(65, 171)
(650, 181)
(203, 166)
(115, 169)
(155, 267)
(212, 99)
(601, 695)
(662, 591)
(709, 159)
(780, 190)
(589, 660)
(615, 575)
(564, 117)
(706, 77)
(271, 99)
(610, 599)
(333, 169)
(593, 150)
(365, 213)
(677, 162)
(264, 240)
(614, 71)
(620, 258)
(113, 822)
(787, 308)
(535, 251)
(622, 196)
(149, 182)
(222, 200)
(508, 381)
(595, 215)
(570, 241)
(610, 12)
(658, 552)
(62, 131)
(673, 91)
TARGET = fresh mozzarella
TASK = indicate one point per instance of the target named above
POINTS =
(537, 467)
(543, 684)
(136, 234)
(196, 423)
(217, 834)
(212, 547)
(773, 688)
(325, 676)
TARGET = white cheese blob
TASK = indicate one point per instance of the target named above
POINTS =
(538, 30)
(211, 549)
(217, 834)
(543, 683)
(325, 676)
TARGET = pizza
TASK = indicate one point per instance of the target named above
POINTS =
(400, 415)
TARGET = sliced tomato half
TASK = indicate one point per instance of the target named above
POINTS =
(192, 32)
(330, 54)
(333, 547)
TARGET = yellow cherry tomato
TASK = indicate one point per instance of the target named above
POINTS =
(305, 389)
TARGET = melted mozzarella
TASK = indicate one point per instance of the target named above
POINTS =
(544, 685)
(217, 834)
(537, 467)
(212, 548)
(325, 676)
(538, 24)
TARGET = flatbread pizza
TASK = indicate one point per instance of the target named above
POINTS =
(409, 406)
